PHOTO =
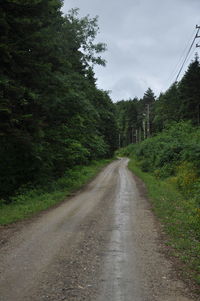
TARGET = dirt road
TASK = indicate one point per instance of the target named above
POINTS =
(101, 245)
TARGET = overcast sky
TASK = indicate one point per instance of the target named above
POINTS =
(146, 39)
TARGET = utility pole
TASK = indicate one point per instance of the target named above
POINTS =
(132, 132)
(197, 45)
(197, 35)
(148, 121)
(119, 140)
(140, 135)
(144, 128)
(136, 136)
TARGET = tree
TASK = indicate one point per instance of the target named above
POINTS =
(127, 116)
(190, 93)
(167, 108)
(148, 98)
(146, 112)
(50, 120)
(28, 34)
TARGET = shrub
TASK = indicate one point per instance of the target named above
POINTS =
(186, 177)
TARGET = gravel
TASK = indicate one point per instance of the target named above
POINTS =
(102, 244)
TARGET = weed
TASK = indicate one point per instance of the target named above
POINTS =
(179, 216)
(30, 201)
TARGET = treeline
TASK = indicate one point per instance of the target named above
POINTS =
(52, 115)
(171, 124)
(142, 118)
(164, 148)
(135, 118)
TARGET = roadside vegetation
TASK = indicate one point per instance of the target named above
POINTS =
(56, 126)
(52, 115)
(28, 201)
(161, 135)
(169, 165)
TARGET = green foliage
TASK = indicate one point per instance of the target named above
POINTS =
(169, 161)
(169, 165)
(169, 148)
(127, 118)
(126, 151)
(52, 116)
(186, 175)
(180, 217)
(167, 108)
(86, 30)
(190, 93)
(181, 101)
(135, 117)
(29, 201)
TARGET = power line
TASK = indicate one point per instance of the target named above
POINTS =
(191, 55)
(181, 57)
(196, 35)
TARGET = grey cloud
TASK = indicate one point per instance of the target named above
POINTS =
(145, 40)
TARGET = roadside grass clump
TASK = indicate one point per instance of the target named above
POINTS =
(28, 202)
(179, 216)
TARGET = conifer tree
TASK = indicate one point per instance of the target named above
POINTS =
(49, 118)
(190, 93)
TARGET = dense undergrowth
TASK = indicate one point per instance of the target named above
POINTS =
(169, 165)
(52, 114)
(28, 201)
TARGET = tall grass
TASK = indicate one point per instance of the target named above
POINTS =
(179, 216)
(29, 202)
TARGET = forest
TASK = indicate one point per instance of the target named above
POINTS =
(52, 115)
(139, 119)
(165, 130)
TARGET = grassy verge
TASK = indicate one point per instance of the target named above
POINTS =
(32, 201)
(180, 218)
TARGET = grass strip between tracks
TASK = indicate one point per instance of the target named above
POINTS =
(26, 204)
(179, 218)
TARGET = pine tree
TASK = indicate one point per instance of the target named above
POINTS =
(167, 108)
(190, 93)
(50, 120)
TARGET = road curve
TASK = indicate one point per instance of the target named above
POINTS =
(101, 245)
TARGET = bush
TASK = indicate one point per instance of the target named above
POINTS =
(165, 151)
(186, 177)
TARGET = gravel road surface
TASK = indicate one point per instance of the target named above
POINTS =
(102, 244)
